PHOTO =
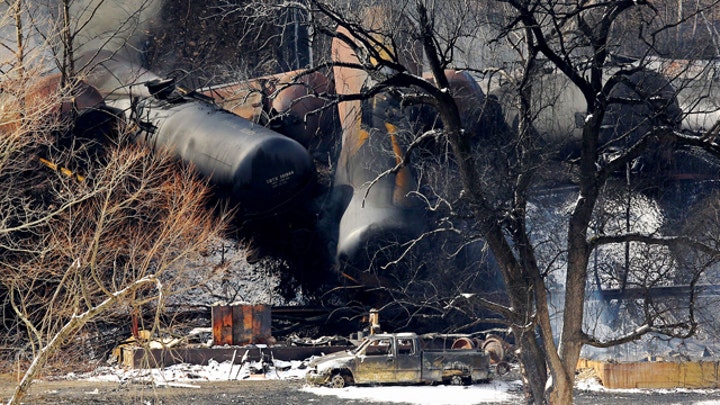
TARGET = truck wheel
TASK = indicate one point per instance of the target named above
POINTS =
(457, 380)
(339, 381)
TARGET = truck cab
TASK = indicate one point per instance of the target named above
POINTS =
(387, 358)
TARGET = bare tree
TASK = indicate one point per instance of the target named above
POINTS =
(76, 246)
(122, 239)
(626, 117)
(91, 225)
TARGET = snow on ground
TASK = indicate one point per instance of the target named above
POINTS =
(592, 384)
(493, 392)
(187, 375)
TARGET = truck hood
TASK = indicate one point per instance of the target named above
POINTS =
(330, 360)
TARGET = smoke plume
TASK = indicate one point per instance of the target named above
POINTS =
(112, 26)
(115, 26)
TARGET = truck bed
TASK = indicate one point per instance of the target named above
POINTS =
(443, 365)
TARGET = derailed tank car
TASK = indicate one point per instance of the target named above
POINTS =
(253, 166)
(379, 209)
(289, 103)
(73, 113)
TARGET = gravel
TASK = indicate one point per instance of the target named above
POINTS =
(288, 392)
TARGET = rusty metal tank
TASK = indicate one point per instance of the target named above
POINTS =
(74, 114)
(49, 100)
(290, 103)
(561, 109)
(380, 210)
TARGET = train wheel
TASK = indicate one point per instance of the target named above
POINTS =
(502, 368)
(493, 346)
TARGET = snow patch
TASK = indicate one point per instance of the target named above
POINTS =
(592, 384)
(182, 373)
(185, 375)
(493, 392)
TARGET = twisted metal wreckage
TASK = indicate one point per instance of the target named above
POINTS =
(265, 170)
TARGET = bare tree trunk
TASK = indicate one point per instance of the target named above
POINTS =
(71, 327)
(19, 37)
(571, 338)
(532, 363)
(68, 65)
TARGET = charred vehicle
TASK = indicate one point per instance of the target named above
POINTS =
(399, 358)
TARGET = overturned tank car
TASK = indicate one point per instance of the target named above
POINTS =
(254, 167)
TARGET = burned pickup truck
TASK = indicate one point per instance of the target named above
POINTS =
(399, 358)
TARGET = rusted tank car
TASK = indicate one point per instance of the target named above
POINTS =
(48, 101)
(290, 103)
(380, 209)
(73, 117)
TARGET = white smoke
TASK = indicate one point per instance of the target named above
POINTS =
(114, 26)
(23, 36)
